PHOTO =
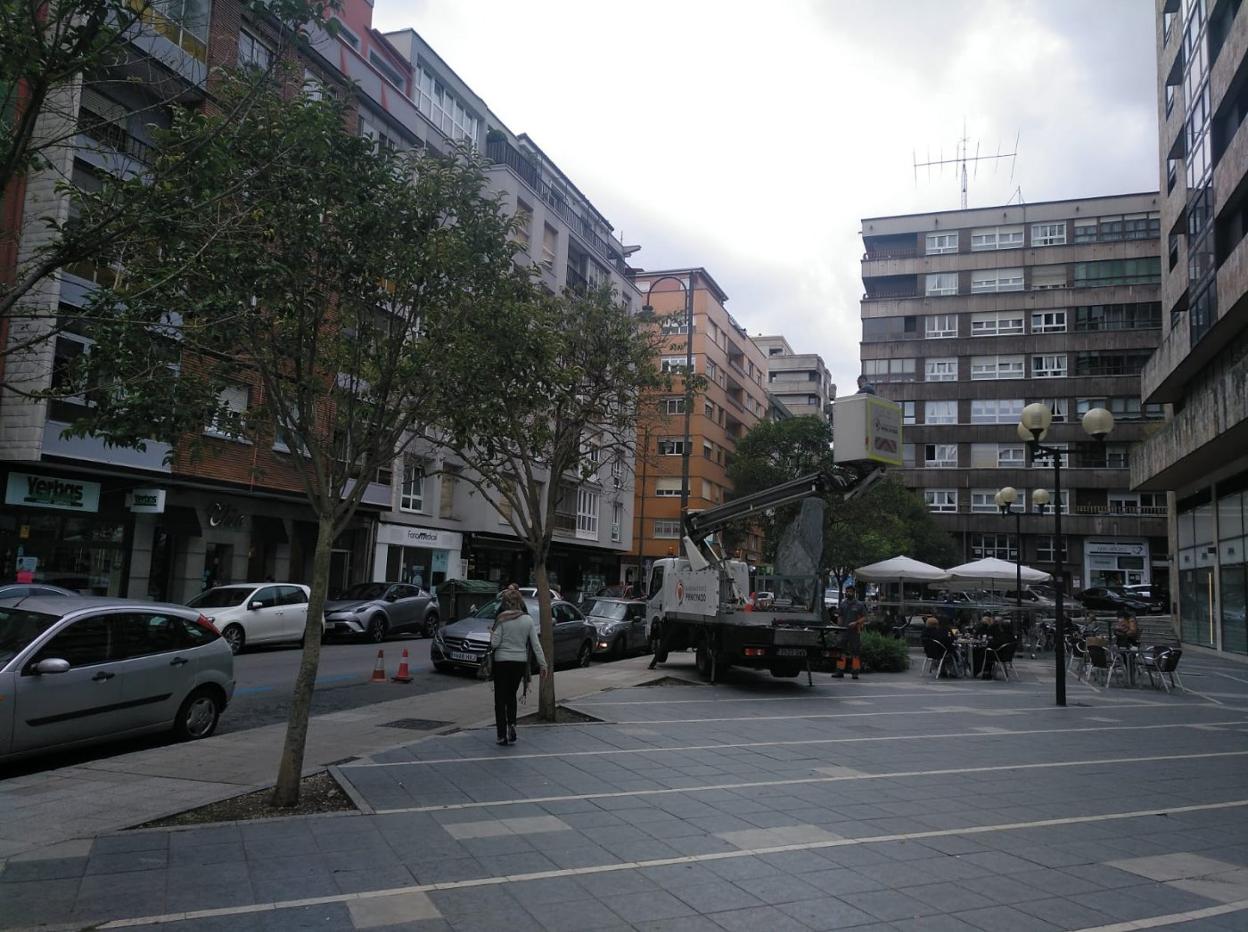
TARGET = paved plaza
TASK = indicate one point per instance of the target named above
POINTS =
(892, 803)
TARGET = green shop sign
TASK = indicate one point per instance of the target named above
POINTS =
(50, 492)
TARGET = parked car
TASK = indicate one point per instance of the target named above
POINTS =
(26, 590)
(372, 610)
(621, 626)
(1158, 598)
(463, 644)
(1105, 599)
(256, 613)
(530, 592)
(76, 670)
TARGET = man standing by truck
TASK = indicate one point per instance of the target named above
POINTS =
(854, 618)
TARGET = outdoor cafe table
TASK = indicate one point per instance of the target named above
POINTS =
(965, 656)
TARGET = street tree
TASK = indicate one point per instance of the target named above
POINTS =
(313, 283)
(551, 393)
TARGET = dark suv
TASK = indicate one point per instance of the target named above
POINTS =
(1105, 599)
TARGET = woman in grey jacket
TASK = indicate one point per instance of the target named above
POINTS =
(514, 633)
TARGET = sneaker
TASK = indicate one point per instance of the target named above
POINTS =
(501, 741)
(511, 734)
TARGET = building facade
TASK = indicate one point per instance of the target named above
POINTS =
(1200, 370)
(734, 400)
(968, 316)
(800, 381)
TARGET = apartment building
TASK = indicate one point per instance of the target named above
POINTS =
(800, 381)
(1200, 369)
(968, 316)
(734, 400)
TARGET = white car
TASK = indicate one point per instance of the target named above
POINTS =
(256, 613)
(530, 592)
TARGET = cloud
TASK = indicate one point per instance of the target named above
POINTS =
(752, 139)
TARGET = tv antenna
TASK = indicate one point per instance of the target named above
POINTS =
(962, 157)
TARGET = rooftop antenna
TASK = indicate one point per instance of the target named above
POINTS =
(962, 158)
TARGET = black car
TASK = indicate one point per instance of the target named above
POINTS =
(1105, 599)
(1157, 597)
(372, 610)
(621, 626)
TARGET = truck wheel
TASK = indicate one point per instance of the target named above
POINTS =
(656, 644)
(704, 659)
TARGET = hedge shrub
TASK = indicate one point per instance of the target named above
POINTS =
(882, 653)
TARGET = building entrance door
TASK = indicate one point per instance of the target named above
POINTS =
(339, 570)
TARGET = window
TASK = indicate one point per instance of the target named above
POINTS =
(524, 223)
(991, 280)
(666, 528)
(1142, 315)
(345, 34)
(439, 104)
(1000, 546)
(252, 53)
(228, 423)
(1085, 231)
(1107, 363)
(941, 243)
(1109, 229)
(996, 410)
(942, 283)
(667, 487)
(984, 500)
(888, 370)
(708, 450)
(941, 499)
(1046, 552)
(984, 455)
(1045, 278)
(671, 446)
(386, 70)
(586, 513)
(1049, 509)
(1013, 456)
(1048, 234)
(907, 455)
(674, 324)
(1117, 456)
(1059, 406)
(446, 491)
(996, 238)
(1049, 366)
(940, 455)
(989, 368)
(941, 326)
(907, 411)
(941, 370)
(1046, 462)
(83, 643)
(1048, 322)
(617, 522)
(674, 405)
(1141, 226)
(412, 491)
(997, 324)
(1145, 271)
(940, 412)
(675, 364)
(550, 245)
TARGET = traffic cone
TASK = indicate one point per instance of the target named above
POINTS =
(403, 676)
(379, 668)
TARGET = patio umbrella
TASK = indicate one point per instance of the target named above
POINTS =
(900, 569)
(989, 572)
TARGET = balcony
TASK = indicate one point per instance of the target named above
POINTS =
(1139, 511)
(115, 137)
(899, 286)
(576, 281)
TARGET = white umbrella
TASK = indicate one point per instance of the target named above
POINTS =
(900, 569)
(990, 571)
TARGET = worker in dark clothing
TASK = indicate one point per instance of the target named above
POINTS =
(864, 386)
(854, 618)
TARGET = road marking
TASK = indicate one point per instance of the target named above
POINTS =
(1153, 922)
(939, 691)
(348, 898)
(772, 744)
(1229, 677)
(802, 781)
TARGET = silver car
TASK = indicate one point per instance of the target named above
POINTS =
(75, 670)
(372, 610)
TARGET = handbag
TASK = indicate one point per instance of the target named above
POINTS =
(485, 669)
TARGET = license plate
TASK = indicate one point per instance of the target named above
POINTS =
(790, 652)
(460, 655)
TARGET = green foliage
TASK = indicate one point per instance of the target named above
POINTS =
(884, 654)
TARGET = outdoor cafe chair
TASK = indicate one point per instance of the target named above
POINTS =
(1077, 658)
(935, 656)
(1162, 663)
(1101, 659)
(1003, 657)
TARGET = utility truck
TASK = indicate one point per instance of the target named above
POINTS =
(701, 601)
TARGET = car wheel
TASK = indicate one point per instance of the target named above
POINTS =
(376, 630)
(198, 716)
(235, 637)
(585, 654)
(431, 624)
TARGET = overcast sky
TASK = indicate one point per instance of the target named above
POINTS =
(752, 138)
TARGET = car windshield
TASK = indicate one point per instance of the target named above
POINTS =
(364, 590)
(221, 597)
(18, 628)
(612, 611)
(488, 610)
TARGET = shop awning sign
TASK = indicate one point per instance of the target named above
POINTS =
(147, 501)
(51, 492)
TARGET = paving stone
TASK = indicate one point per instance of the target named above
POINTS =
(780, 888)
(998, 918)
(400, 909)
(759, 919)
(886, 904)
(651, 904)
(826, 912)
(947, 897)
(47, 869)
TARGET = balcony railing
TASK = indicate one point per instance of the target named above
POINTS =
(115, 137)
(1141, 511)
(576, 281)
(891, 252)
(565, 523)
(885, 292)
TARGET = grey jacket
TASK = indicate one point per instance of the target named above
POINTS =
(511, 637)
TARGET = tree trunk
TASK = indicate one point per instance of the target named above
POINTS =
(289, 773)
(546, 688)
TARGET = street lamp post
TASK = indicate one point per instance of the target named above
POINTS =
(1005, 502)
(1033, 427)
(687, 287)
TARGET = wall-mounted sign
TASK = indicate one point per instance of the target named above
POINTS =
(49, 492)
(225, 516)
(405, 535)
(147, 501)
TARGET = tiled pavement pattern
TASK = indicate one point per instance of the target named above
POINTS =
(893, 803)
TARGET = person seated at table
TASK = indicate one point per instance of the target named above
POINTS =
(987, 623)
(1126, 629)
(933, 632)
(994, 636)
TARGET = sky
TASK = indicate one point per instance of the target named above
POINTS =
(752, 138)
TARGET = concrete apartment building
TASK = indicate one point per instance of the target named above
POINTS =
(147, 524)
(799, 381)
(1201, 365)
(735, 400)
(968, 315)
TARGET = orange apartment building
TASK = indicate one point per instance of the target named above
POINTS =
(734, 400)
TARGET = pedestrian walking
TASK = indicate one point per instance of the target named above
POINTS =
(854, 618)
(513, 636)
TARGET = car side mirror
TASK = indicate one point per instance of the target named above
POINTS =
(52, 665)
(391, 597)
(255, 606)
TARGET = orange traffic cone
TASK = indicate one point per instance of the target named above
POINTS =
(403, 676)
(379, 668)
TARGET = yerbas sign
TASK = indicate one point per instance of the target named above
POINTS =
(51, 492)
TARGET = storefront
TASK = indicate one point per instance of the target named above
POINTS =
(1116, 562)
(419, 556)
(67, 531)
(1213, 576)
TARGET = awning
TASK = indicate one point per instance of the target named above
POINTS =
(268, 528)
(181, 521)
